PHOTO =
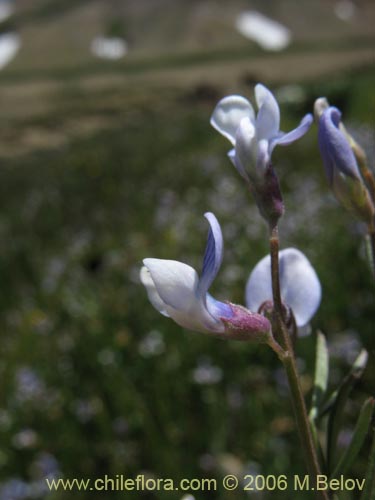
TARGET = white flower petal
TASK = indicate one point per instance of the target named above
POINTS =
(237, 163)
(246, 146)
(197, 318)
(228, 114)
(259, 285)
(300, 286)
(152, 293)
(268, 118)
(176, 285)
(299, 283)
(263, 157)
(175, 282)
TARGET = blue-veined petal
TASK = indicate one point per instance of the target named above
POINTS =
(293, 135)
(334, 146)
(268, 117)
(213, 255)
(228, 114)
(299, 285)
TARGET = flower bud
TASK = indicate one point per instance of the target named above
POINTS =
(340, 163)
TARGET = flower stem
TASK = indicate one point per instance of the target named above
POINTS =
(274, 246)
(289, 362)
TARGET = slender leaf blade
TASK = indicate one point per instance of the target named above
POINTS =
(359, 435)
(338, 404)
(321, 374)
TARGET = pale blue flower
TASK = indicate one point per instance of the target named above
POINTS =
(176, 290)
(334, 146)
(254, 136)
(299, 285)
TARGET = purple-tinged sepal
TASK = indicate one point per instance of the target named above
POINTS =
(269, 198)
(246, 325)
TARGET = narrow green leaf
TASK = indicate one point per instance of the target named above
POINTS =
(369, 491)
(355, 373)
(321, 374)
(358, 438)
(318, 446)
(369, 254)
(337, 403)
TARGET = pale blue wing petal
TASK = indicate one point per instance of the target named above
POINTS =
(213, 255)
(268, 118)
(259, 286)
(228, 114)
(300, 286)
(293, 135)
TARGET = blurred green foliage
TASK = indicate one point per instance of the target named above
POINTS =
(91, 376)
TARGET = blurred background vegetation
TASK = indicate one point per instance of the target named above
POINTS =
(105, 162)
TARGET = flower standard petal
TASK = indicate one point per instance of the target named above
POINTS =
(213, 255)
(228, 114)
(259, 285)
(299, 285)
(268, 117)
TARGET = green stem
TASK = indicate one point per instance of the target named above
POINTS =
(289, 362)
